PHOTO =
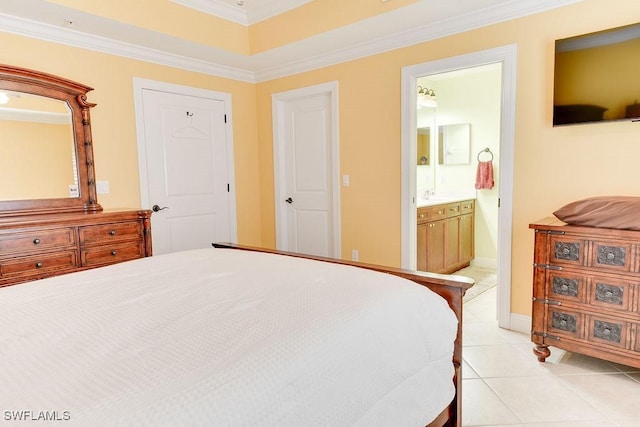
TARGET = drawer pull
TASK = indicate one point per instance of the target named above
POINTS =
(421, 215)
(36, 241)
(610, 255)
(38, 265)
(114, 253)
(112, 232)
(440, 212)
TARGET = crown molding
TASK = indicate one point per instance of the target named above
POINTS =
(423, 33)
(316, 52)
(42, 31)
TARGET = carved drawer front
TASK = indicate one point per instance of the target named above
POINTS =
(110, 254)
(105, 233)
(611, 256)
(565, 323)
(612, 294)
(567, 286)
(39, 265)
(453, 209)
(567, 251)
(37, 240)
(466, 207)
(608, 331)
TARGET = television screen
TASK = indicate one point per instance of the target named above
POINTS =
(597, 77)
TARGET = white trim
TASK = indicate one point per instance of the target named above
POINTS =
(139, 85)
(317, 51)
(278, 101)
(520, 323)
(410, 74)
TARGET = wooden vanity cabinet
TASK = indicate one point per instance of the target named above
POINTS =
(38, 246)
(445, 240)
(586, 291)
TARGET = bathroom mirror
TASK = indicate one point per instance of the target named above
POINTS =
(454, 144)
(46, 164)
(424, 146)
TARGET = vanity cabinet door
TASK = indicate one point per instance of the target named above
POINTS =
(435, 252)
(466, 238)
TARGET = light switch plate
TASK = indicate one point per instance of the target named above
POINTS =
(102, 187)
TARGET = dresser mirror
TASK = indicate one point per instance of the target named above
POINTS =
(46, 164)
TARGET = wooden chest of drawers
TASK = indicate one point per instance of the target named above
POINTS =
(586, 291)
(37, 246)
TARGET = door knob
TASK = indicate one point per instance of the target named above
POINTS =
(157, 208)
(289, 200)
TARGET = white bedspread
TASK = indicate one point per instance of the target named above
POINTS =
(221, 337)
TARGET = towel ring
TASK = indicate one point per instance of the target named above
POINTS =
(486, 150)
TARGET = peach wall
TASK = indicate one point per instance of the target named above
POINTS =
(113, 119)
(553, 166)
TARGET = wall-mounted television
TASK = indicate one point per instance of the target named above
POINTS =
(597, 77)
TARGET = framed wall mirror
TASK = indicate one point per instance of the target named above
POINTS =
(47, 154)
(454, 144)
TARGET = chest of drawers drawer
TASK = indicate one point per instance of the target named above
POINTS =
(108, 233)
(111, 253)
(39, 265)
(36, 240)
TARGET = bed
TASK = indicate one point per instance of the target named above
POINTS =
(233, 336)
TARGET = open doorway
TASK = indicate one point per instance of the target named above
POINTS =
(429, 73)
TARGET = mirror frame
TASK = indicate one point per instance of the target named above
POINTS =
(75, 96)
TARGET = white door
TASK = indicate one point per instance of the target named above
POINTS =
(305, 138)
(187, 170)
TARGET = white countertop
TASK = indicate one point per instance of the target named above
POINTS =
(433, 201)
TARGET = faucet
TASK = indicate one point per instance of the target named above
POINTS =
(428, 194)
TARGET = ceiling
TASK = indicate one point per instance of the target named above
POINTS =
(416, 23)
(244, 12)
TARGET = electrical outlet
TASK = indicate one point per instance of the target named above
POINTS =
(355, 255)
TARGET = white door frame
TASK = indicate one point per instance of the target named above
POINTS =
(507, 56)
(139, 85)
(278, 102)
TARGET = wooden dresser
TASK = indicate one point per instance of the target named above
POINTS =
(586, 291)
(37, 246)
(445, 239)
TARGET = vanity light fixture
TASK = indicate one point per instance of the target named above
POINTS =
(4, 98)
(426, 97)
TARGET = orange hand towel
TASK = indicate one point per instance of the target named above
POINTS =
(484, 176)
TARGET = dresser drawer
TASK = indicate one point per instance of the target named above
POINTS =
(567, 250)
(110, 254)
(567, 286)
(107, 233)
(39, 265)
(37, 240)
(611, 255)
(565, 323)
(608, 331)
(611, 293)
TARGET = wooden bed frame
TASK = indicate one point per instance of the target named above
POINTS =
(451, 288)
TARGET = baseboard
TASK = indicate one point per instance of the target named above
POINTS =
(520, 323)
(485, 263)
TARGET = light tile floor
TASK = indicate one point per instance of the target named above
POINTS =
(505, 385)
